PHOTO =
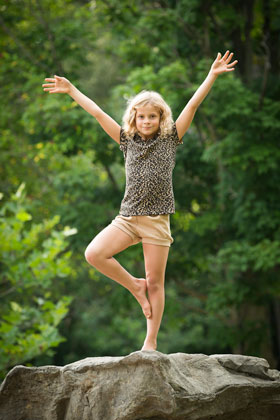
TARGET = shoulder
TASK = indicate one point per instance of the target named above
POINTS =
(124, 135)
(124, 138)
(173, 135)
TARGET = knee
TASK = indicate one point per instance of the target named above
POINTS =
(155, 283)
(93, 255)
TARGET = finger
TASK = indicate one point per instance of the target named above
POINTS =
(47, 89)
(233, 63)
(229, 58)
(48, 85)
(218, 56)
(50, 80)
(230, 69)
(226, 55)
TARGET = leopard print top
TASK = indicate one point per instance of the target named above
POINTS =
(149, 166)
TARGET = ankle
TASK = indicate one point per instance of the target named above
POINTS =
(137, 284)
(148, 346)
(150, 341)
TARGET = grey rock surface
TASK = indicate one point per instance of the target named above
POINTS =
(144, 385)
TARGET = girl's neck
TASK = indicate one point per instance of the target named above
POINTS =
(145, 138)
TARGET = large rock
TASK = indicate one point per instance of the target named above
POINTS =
(144, 385)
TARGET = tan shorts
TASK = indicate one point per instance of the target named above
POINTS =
(148, 229)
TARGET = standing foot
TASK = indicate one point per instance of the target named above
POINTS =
(149, 345)
(140, 294)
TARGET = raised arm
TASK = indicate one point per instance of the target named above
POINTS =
(62, 85)
(219, 66)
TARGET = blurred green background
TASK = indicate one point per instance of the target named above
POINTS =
(62, 178)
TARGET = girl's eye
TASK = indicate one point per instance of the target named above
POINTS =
(151, 116)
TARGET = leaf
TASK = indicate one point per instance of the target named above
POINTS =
(23, 216)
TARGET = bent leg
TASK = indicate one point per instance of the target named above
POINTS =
(99, 253)
(155, 265)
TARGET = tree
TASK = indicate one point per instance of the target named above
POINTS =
(33, 256)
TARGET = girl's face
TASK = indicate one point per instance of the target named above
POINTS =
(147, 121)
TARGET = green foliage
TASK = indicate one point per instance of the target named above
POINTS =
(32, 257)
(223, 270)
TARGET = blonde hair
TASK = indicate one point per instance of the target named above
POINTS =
(147, 97)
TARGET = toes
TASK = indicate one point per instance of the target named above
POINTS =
(147, 312)
(142, 299)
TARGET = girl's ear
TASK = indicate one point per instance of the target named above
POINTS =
(134, 112)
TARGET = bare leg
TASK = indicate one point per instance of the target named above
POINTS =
(155, 265)
(99, 253)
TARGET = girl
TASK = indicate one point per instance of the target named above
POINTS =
(148, 140)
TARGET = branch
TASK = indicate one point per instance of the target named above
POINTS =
(210, 127)
(12, 289)
(267, 67)
(111, 177)
(192, 292)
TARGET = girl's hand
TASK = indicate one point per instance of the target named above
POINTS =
(222, 64)
(57, 85)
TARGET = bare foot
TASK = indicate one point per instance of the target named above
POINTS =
(140, 295)
(149, 345)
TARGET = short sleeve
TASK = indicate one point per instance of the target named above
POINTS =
(175, 136)
(123, 141)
